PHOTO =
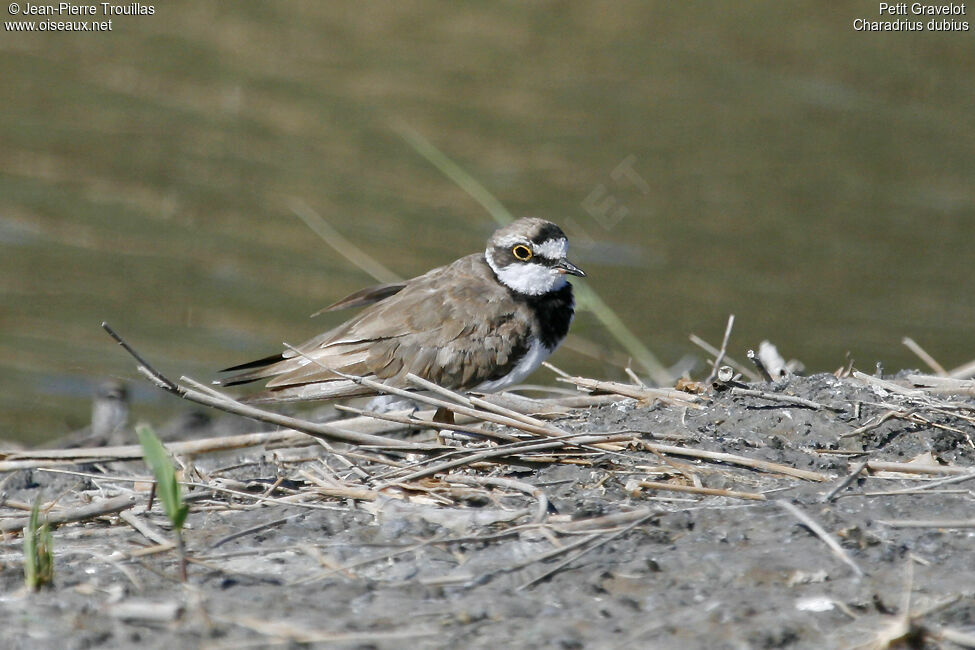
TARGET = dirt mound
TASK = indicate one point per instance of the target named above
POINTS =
(815, 512)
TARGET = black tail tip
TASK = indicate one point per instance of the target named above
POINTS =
(257, 363)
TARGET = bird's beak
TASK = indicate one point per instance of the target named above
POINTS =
(565, 266)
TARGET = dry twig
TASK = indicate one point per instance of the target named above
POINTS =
(719, 357)
(693, 489)
(733, 459)
(68, 515)
(788, 399)
(924, 356)
(747, 372)
(820, 532)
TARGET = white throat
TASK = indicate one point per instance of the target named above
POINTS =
(527, 278)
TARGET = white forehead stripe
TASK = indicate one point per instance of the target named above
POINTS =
(553, 249)
(509, 241)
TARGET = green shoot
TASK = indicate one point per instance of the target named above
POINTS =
(167, 487)
(38, 550)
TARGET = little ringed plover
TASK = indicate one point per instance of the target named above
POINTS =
(482, 323)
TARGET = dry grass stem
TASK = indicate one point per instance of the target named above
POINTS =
(747, 372)
(566, 562)
(787, 399)
(916, 468)
(760, 365)
(734, 459)
(887, 385)
(719, 357)
(876, 422)
(535, 492)
(415, 422)
(928, 523)
(934, 384)
(289, 631)
(646, 395)
(68, 515)
(693, 489)
(842, 485)
(965, 371)
(510, 451)
(149, 531)
(924, 356)
(338, 243)
(820, 532)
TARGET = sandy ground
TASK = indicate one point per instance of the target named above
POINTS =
(609, 564)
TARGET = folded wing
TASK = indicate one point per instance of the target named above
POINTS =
(434, 326)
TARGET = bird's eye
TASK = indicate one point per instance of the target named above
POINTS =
(522, 252)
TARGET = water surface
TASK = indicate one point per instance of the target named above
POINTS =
(760, 158)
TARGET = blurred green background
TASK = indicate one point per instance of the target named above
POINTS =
(816, 181)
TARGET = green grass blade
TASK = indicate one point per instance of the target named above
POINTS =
(457, 174)
(167, 487)
(587, 298)
(38, 551)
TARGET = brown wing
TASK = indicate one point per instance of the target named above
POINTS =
(364, 297)
(435, 327)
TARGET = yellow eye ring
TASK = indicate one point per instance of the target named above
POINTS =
(522, 252)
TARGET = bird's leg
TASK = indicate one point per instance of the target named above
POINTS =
(443, 416)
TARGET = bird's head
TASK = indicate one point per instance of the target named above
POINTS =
(529, 256)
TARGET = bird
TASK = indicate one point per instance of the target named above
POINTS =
(110, 412)
(109, 420)
(481, 323)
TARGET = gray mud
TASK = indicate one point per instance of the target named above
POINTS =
(457, 566)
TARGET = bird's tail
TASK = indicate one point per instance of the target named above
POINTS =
(258, 369)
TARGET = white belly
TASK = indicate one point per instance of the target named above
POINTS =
(532, 359)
